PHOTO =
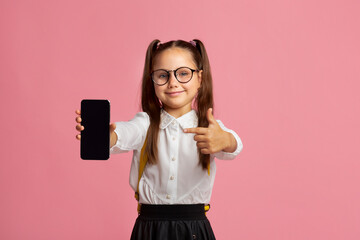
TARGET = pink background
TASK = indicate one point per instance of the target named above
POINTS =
(286, 76)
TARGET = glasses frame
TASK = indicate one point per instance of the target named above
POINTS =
(174, 71)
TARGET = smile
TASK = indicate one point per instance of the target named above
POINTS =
(174, 93)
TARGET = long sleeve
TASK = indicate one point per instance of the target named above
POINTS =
(131, 134)
(225, 155)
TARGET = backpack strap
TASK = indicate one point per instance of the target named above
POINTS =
(142, 164)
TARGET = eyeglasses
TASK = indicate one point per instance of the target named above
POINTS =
(183, 75)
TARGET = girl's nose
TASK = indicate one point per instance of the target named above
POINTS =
(173, 82)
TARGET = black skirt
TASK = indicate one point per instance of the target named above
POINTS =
(173, 222)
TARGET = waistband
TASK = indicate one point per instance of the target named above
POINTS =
(173, 212)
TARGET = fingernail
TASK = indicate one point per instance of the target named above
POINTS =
(185, 130)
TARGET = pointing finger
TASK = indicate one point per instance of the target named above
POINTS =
(198, 130)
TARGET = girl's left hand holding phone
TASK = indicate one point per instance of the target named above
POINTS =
(212, 139)
(79, 127)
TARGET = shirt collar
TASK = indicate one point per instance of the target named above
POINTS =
(188, 120)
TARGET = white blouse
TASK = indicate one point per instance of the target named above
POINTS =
(177, 178)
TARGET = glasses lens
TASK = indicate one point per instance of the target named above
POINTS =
(160, 77)
(183, 75)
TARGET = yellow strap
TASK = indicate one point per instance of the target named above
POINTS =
(142, 164)
(207, 207)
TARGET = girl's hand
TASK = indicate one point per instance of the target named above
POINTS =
(79, 127)
(212, 139)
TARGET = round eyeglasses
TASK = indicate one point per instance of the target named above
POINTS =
(183, 75)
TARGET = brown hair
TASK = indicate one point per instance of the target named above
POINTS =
(151, 104)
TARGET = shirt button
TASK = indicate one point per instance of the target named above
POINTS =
(172, 178)
(173, 159)
(173, 138)
(168, 196)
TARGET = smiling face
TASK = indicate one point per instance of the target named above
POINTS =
(176, 97)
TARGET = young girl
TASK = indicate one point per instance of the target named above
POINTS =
(174, 141)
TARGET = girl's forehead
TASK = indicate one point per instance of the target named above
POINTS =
(173, 58)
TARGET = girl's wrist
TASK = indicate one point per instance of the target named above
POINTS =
(113, 139)
(231, 143)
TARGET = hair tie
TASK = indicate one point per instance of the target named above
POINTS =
(193, 43)
(158, 44)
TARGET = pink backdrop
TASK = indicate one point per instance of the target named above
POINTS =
(286, 76)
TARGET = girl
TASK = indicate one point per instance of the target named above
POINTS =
(174, 141)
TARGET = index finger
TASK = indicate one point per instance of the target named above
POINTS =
(78, 112)
(198, 130)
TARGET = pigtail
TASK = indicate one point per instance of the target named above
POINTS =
(151, 104)
(204, 99)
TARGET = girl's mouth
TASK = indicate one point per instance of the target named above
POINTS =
(173, 94)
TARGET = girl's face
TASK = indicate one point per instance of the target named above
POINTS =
(176, 97)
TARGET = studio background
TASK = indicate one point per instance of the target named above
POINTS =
(286, 79)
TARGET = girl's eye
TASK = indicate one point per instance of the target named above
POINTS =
(162, 76)
(183, 74)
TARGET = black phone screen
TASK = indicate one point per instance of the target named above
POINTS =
(95, 138)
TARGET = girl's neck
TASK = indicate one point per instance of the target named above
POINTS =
(176, 113)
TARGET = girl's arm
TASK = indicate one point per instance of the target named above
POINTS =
(129, 135)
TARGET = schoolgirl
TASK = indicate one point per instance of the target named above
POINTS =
(174, 142)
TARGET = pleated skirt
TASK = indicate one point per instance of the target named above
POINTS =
(173, 222)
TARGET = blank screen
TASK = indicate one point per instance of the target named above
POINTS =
(95, 115)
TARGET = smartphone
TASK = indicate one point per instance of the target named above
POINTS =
(95, 138)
